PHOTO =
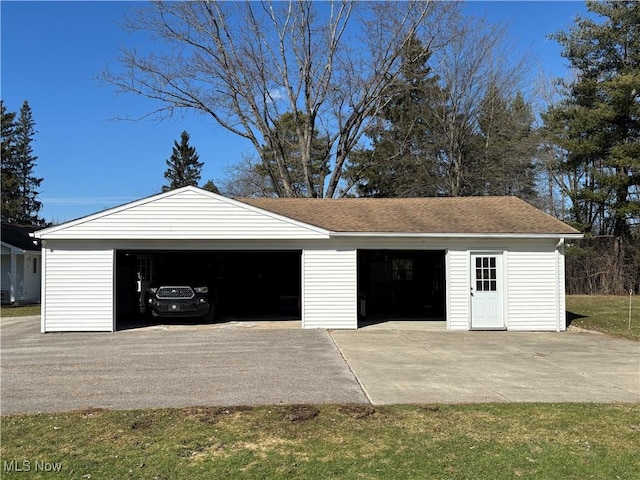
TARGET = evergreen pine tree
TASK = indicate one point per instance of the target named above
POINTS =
(10, 193)
(26, 162)
(506, 146)
(402, 160)
(210, 186)
(594, 134)
(596, 127)
(425, 145)
(19, 186)
(183, 167)
(288, 151)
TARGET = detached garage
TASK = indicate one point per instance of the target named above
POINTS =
(485, 263)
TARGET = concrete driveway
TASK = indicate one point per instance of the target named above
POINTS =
(262, 363)
(417, 366)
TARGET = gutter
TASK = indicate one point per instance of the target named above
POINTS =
(456, 235)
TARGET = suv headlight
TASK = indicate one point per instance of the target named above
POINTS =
(201, 289)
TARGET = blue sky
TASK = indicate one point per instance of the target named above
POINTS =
(52, 51)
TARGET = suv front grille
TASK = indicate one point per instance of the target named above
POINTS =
(175, 292)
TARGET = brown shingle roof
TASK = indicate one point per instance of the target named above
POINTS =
(474, 215)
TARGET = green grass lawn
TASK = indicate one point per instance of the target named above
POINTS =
(19, 311)
(492, 441)
(606, 314)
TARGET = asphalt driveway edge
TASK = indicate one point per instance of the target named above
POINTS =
(201, 365)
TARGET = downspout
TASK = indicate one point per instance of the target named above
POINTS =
(43, 290)
(559, 288)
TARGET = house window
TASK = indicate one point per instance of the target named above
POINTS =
(35, 265)
(402, 269)
(486, 274)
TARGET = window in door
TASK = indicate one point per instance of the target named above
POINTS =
(486, 274)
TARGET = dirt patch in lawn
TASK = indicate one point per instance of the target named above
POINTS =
(301, 413)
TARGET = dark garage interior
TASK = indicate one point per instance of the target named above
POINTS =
(401, 285)
(260, 285)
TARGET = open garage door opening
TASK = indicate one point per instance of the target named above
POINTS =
(401, 285)
(192, 287)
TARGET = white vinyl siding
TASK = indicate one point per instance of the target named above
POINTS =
(78, 290)
(78, 261)
(329, 288)
(187, 214)
(458, 283)
(533, 301)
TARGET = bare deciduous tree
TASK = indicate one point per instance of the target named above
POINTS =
(454, 126)
(478, 59)
(244, 179)
(247, 64)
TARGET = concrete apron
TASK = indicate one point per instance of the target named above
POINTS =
(418, 366)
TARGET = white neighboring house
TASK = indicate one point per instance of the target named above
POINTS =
(474, 263)
(21, 267)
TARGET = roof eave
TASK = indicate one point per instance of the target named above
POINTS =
(457, 235)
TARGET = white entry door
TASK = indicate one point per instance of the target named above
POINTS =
(486, 292)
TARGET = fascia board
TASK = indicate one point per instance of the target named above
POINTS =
(457, 235)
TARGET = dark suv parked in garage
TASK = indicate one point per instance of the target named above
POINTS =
(177, 299)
